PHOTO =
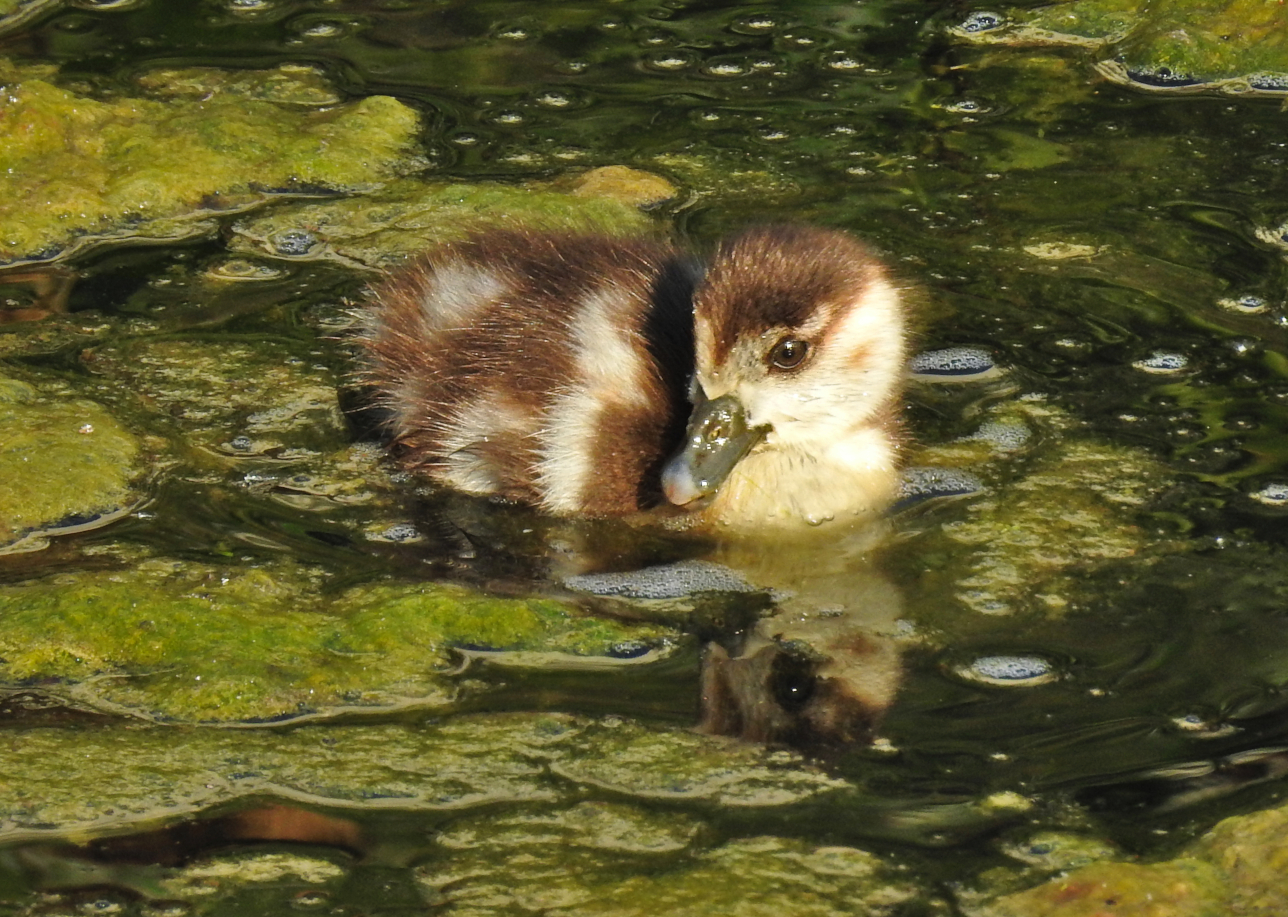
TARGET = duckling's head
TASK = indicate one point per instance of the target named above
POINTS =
(800, 360)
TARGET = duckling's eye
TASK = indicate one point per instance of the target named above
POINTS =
(788, 353)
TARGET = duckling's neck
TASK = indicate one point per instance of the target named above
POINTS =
(784, 487)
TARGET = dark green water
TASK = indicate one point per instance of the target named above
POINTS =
(1167, 635)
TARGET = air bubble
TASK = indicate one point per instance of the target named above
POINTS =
(1163, 78)
(1247, 304)
(917, 484)
(1009, 671)
(323, 30)
(981, 22)
(1202, 728)
(293, 242)
(1277, 235)
(755, 24)
(657, 39)
(725, 69)
(844, 62)
(1274, 494)
(239, 270)
(669, 61)
(399, 533)
(1163, 362)
(521, 158)
(310, 899)
(802, 41)
(1269, 82)
(554, 99)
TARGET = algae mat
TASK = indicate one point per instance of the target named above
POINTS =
(84, 169)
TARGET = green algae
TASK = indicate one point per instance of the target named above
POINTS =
(210, 391)
(1237, 867)
(62, 460)
(82, 168)
(60, 782)
(185, 642)
(683, 766)
(15, 13)
(563, 863)
(1184, 888)
(299, 85)
(406, 216)
(1176, 45)
(1027, 543)
(114, 776)
(1251, 851)
(241, 883)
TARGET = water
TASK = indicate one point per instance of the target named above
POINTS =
(1093, 624)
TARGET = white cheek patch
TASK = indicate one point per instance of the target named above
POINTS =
(457, 293)
(872, 328)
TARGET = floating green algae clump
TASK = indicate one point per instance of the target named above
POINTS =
(80, 167)
(1236, 45)
(1236, 868)
(187, 642)
(86, 779)
(61, 461)
(214, 390)
(408, 215)
(603, 860)
(1053, 516)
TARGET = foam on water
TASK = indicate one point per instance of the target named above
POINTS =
(666, 581)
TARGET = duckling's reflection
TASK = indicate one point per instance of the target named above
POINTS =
(819, 665)
(47, 288)
(823, 668)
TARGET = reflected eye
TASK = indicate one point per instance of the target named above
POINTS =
(791, 681)
(788, 353)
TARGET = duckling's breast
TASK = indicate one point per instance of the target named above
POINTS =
(544, 369)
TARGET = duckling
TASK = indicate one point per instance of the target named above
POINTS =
(598, 376)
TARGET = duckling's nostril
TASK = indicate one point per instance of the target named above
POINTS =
(718, 438)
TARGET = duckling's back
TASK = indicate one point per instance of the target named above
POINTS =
(546, 369)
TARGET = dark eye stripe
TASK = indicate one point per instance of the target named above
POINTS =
(789, 353)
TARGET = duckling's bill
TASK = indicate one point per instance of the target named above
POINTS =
(715, 441)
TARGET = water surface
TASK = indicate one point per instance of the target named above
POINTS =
(1090, 642)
